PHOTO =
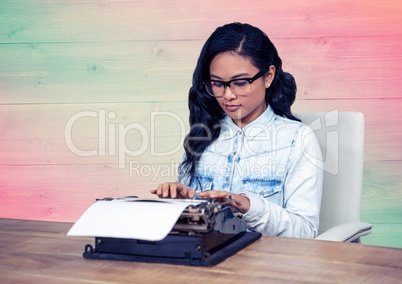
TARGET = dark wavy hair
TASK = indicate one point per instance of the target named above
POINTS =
(205, 112)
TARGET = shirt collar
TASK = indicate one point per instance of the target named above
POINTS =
(251, 130)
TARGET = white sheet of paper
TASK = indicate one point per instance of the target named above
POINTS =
(143, 219)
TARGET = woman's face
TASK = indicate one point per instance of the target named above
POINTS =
(241, 109)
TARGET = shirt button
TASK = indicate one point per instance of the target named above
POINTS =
(234, 153)
(227, 178)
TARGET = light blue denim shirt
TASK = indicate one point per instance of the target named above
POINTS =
(277, 164)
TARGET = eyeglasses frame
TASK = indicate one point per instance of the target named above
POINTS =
(227, 83)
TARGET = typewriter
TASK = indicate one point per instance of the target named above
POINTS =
(205, 233)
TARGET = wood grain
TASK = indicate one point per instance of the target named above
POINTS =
(35, 251)
(332, 68)
(94, 20)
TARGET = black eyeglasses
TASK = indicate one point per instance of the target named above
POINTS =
(240, 87)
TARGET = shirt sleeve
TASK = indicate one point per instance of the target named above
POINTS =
(299, 216)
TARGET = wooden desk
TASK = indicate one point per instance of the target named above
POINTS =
(40, 252)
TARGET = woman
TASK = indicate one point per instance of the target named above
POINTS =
(244, 143)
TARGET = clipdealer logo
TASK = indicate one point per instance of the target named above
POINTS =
(326, 129)
(112, 136)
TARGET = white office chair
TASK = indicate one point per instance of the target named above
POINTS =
(341, 137)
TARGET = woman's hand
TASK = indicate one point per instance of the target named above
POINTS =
(239, 203)
(174, 190)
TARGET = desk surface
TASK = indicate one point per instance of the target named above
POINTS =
(40, 252)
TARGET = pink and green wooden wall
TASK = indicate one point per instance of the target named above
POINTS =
(93, 93)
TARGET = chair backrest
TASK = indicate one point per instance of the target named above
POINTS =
(341, 137)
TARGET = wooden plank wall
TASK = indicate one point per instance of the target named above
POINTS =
(93, 93)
